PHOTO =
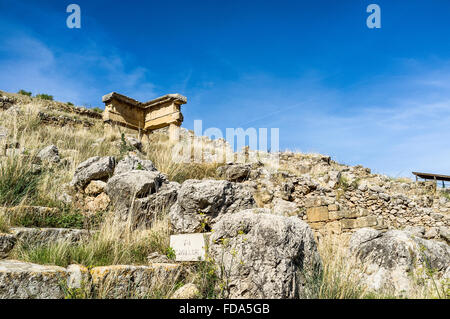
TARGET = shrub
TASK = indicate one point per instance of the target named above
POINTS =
(70, 103)
(97, 109)
(23, 92)
(45, 97)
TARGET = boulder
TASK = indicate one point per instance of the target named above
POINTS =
(97, 204)
(95, 168)
(234, 172)
(125, 188)
(21, 280)
(7, 242)
(200, 202)
(264, 255)
(393, 259)
(49, 154)
(145, 209)
(132, 162)
(126, 281)
(95, 188)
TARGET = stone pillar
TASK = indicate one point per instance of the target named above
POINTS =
(174, 132)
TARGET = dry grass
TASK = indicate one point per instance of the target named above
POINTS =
(162, 153)
(341, 275)
(4, 223)
(341, 278)
(114, 243)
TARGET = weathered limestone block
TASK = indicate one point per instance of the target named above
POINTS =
(21, 280)
(317, 214)
(132, 162)
(7, 242)
(79, 277)
(49, 154)
(368, 221)
(234, 172)
(95, 188)
(200, 202)
(125, 188)
(95, 168)
(348, 223)
(333, 207)
(354, 213)
(145, 209)
(392, 259)
(97, 204)
(125, 281)
(264, 255)
(38, 236)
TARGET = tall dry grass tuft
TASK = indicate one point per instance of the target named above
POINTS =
(341, 274)
(4, 223)
(114, 243)
(161, 152)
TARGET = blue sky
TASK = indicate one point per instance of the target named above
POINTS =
(376, 97)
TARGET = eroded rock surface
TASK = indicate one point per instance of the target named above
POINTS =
(49, 154)
(21, 280)
(132, 162)
(200, 202)
(392, 259)
(264, 255)
(95, 168)
(125, 281)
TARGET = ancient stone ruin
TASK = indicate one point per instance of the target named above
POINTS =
(145, 117)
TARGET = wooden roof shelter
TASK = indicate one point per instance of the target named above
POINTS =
(435, 177)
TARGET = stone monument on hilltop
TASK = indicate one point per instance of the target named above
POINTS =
(145, 117)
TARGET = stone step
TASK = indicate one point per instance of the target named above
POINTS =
(49, 235)
(40, 236)
(22, 280)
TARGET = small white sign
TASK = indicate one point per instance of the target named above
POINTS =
(189, 247)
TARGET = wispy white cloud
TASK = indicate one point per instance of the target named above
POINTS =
(80, 77)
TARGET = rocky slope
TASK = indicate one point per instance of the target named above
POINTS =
(267, 224)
